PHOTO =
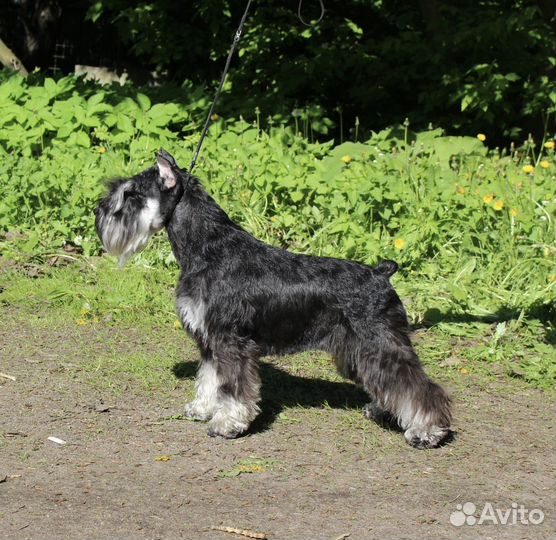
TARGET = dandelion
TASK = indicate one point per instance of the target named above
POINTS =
(498, 205)
(460, 190)
(101, 149)
(549, 145)
(481, 137)
(81, 322)
(464, 371)
(346, 159)
(514, 212)
(528, 169)
(544, 164)
(487, 199)
(399, 243)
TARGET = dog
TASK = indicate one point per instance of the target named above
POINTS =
(241, 299)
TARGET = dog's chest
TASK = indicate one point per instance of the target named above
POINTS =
(192, 313)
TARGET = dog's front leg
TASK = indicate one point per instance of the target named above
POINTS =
(238, 390)
(205, 403)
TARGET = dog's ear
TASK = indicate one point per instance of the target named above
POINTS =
(167, 169)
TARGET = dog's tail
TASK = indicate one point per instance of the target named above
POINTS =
(387, 268)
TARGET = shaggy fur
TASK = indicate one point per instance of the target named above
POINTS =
(241, 299)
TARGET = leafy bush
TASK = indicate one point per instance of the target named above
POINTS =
(473, 229)
(466, 66)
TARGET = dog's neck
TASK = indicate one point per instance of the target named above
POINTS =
(197, 226)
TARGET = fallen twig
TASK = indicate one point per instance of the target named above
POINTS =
(5, 376)
(241, 532)
(56, 440)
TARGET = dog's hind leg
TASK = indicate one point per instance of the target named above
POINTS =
(388, 368)
(205, 403)
(238, 390)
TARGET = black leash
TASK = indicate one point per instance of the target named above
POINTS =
(219, 89)
(225, 73)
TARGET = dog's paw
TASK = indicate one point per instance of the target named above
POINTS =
(430, 437)
(194, 412)
(377, 414)
(225, 428)
(228, 425)
(213, 431)
(372, 411)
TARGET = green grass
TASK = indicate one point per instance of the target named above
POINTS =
(94, 288)
(122, 325)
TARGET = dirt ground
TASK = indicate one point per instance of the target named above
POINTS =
(130, 470)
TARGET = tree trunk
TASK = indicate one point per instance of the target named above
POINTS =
(10, 60)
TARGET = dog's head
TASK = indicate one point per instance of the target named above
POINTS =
(137, 207)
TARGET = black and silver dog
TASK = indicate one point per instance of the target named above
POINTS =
(241, 299)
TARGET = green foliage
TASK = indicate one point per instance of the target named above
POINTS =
(473, 230)
(69, 112)
(250, 465)
(467, 66)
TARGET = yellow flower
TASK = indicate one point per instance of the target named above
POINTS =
(529, 169)
(346, 159)
(544, 164)
(487, 199)
(214, 117)
(481, 137)
(251, 468)
(460, 190)
(498, 205)
(81, 322)
(101, 150)
(463, 371)
(549, 145)
(177, 324)
(399, 243)
(514, 212)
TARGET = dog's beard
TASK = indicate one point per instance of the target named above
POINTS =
(121, 241)
(123, 236)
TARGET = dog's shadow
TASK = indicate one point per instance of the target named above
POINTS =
(281, 390)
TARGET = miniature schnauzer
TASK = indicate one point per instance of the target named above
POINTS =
(241, 299)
